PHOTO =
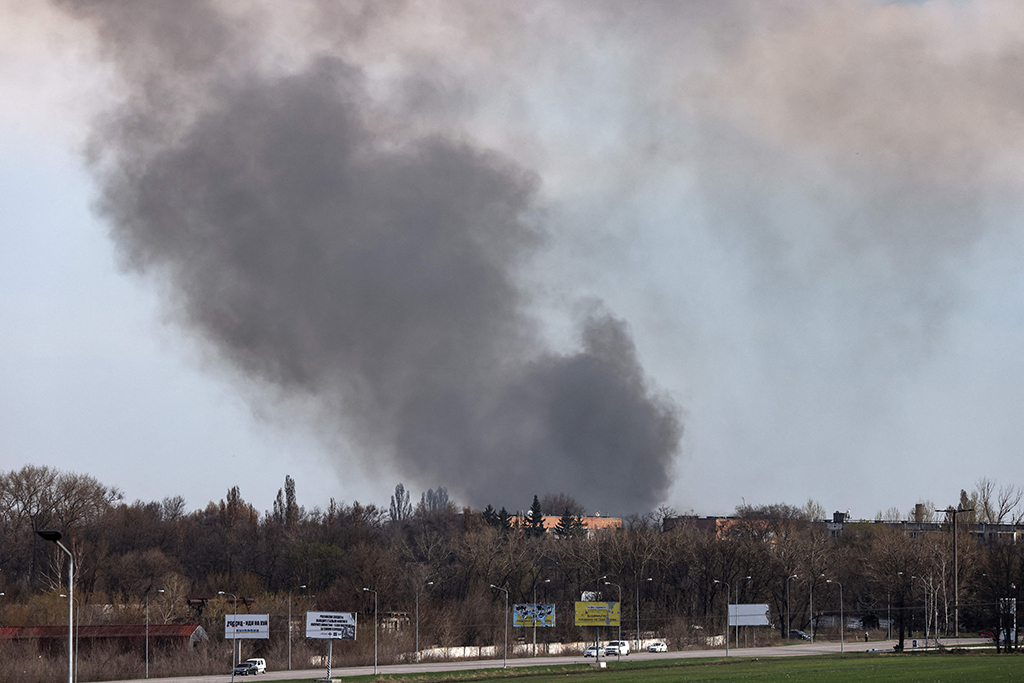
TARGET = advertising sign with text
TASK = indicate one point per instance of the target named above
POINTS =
(597, 614)
(531, 614)
(239, 626)
(331, 625)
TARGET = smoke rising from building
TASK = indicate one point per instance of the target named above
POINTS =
(800, 218)
(375, 273)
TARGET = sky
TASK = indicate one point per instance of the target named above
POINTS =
(694, 254)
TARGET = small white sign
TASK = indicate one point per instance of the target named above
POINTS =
(331, 625)
(749, 615)
(246, 626)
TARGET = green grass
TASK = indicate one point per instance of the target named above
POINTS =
(859, 668)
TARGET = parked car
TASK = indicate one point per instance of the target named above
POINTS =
(261, 664)
(657, 647)
(594, 651)
(617, 648)
(799, 635)
(245, 669)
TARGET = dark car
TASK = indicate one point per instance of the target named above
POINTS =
(800, 635)
(245, 668)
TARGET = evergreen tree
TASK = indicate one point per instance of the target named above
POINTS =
(535, 526)
(490, 516)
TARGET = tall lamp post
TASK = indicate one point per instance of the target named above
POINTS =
(842, 638)
(535, 614)
(638, 612)
(745, 578)
(789, 621)
(302, 587)
(78, 629)
(619, 650)
(504, 662)
(370, 590)
(234, 633)
(956, 570)
(147, 628)
(55, 536)
(418, 587)
(812, 605)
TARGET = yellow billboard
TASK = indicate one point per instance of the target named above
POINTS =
(597, 614)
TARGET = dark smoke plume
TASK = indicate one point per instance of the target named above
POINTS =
(375, 272)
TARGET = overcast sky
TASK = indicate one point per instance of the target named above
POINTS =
(800, 227)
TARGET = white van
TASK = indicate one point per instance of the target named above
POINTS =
(617, 647)
(261, 664)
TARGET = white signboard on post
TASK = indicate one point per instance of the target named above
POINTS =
(237, 626)
(331, 625)
(749, 615)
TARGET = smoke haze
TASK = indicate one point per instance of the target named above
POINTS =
(482, 238)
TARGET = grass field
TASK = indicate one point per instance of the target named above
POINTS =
(866, 668)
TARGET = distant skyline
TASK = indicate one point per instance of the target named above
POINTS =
(805, 219)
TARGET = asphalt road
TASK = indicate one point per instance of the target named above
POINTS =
(795, 650)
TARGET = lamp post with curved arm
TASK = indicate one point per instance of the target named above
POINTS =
(302, 587)
(78, 629)
(54, 537)
(638, 611)
(234, 633)
(418, 587)
(504, 662)
(745, 578)
(535, 614)
(789, 623)
(842, 638)
(147, 628)
(618, 650)
(370, 590)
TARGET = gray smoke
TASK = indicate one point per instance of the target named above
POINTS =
(331, 255)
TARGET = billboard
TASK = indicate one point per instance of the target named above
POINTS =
(331, 625)
(532, 614)
(597, 614)
(749, 615)
(246, 626)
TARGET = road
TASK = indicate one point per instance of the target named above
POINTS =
(800, 649)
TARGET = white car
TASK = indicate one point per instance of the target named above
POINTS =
(617, 648)
(594, 651)
(657, 647)
(259, 663)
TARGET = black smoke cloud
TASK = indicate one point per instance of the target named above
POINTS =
(378, 273)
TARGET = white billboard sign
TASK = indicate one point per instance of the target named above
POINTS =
(749, 615)
(331, 625)
(246, 626)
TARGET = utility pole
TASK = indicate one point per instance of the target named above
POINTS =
(956, 569)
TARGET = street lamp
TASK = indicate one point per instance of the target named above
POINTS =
(78, 629)
(745, 578)
(956, 570)
(234, 633)
(55, 536)
(638, 613)
(370, 590)
(535, 614)
(418, 587)
(925, 584)
(789, 622)
(505, 658)
(618, 650)
(147, 627)
(302, 587)
(842, 639)
(811, 600)
(888, 609)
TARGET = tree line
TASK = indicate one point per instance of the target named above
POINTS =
(444, 559)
